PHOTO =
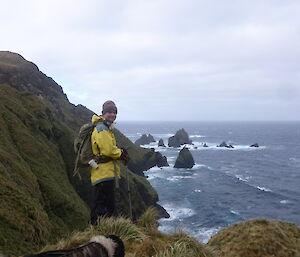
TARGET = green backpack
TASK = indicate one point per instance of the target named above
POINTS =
(83, 149)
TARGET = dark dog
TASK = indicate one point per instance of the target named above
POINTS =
(99, 246)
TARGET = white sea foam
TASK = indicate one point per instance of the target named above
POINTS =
(177, 212)
(263, 188)
(155, 169)
(285, 202)
(198, 166)
(294, 159)
(196, 136)
(166, 228)
(176, 178)
(235, 212)
(204, 234)
(162, 135)
(197, 191)
(243, 178)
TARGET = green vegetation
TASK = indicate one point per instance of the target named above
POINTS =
(141, 239)
(253, 238)
(38, 203)
(258, 237)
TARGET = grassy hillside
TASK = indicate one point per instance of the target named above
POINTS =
(40, 199)
(38, 203)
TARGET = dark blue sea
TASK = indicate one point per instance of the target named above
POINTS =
(226, 185)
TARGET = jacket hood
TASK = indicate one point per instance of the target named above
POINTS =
(97, 118)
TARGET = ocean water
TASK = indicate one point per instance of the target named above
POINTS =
(226, 185)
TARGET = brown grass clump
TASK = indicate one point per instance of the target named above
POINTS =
(256, 238)
(149, 219)
(121, 227)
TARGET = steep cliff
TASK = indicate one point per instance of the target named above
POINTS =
(40, 199)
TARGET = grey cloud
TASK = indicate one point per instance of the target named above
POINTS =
(226, 59)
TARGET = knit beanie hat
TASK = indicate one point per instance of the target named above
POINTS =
(109, 106)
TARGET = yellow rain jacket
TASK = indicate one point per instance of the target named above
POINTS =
(104, 143)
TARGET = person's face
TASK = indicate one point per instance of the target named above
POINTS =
(110, 116)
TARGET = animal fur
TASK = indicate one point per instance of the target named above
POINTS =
(108, 243)
(99, 246)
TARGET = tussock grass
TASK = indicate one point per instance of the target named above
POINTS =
(141, 239)
(149, 219)
(258, 237)
(253, 238)
(121, 227)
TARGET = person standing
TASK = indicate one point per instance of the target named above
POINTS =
(106, 176)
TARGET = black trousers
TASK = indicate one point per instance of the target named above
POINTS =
(104, 200)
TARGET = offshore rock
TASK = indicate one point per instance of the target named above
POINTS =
(161, 143)
(144, 140)
(180, 138)
(224, 144)
(162, 161)
(254, 145)
(184, 159)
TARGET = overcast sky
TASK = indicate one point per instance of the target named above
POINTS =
(166, 59)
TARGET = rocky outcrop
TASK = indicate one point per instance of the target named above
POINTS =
(162, 161)
(254, 145)
(205, 145)
(161, 143)
(184, 159)
(180, 138)
(144, 140)
(224, 144)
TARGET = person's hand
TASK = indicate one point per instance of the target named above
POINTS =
(124, 156)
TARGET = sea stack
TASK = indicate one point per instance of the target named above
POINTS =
(162, 161)
(161, 143)
(144, 140)
(184, 159)
(180, 138)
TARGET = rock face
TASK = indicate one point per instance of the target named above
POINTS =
(144, 140)
(161, 143)
(184, 159)
(224, 144)
(258, 237)
(180, 138)
(254, 145)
